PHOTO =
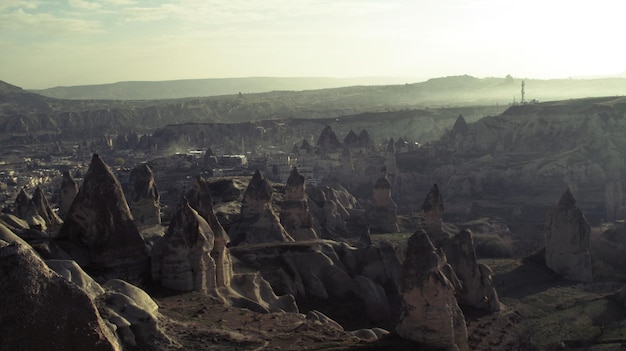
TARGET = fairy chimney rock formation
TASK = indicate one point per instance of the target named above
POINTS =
(478, 290)
(328, 139)
(351, 139)
(460, 126)
(36, 211)
(432, 213)
(431, 315)
(382, 214)
(100, 225)
(567, 234)
(258, 221)
(200, 199)
(182, 259)
(43, 208)
(144, 197)
(294, 214)
(365, 140)
(24, 207)
(69, 189)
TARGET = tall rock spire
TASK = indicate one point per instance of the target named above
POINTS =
(294, 214)
(100, 225)
(68, 191)
(567, 234)
(258, 221)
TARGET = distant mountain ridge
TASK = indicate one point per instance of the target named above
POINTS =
(184, 88)
(444, 91)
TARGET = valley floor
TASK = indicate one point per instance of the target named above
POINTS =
(541, 312)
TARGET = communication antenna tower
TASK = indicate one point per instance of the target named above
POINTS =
(523, 92)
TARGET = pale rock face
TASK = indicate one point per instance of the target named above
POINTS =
(72, 272)
(294, 215)
(69, 189)
(134, 314)
(567, 236)
(382, 214)
(259, 223)
(200, 199)
(431, 314)
(29, 288)
(100, 226)
(477, 286)
(144, 197)
(182, 259)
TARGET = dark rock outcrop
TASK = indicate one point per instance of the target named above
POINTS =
(328, 139)
(41, 310)
(100, 229)
(567, 236)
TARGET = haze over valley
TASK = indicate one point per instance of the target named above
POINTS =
(351, 175)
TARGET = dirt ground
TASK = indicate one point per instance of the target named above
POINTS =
(540, 312)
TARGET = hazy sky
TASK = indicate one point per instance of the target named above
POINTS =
(70, 42)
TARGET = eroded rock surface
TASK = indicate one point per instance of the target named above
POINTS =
(200, 199)
(67, 193)
(567, 236)
(100, 230)
(382, 214)
(144, 196)
(182, 259)
(258, 221)
(478, 290)
(431, 314)
(41, 310)
(294, 214)
(431, 215)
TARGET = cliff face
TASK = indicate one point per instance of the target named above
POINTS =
(526, 155)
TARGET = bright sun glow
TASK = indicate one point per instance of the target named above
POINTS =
(99, 41)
